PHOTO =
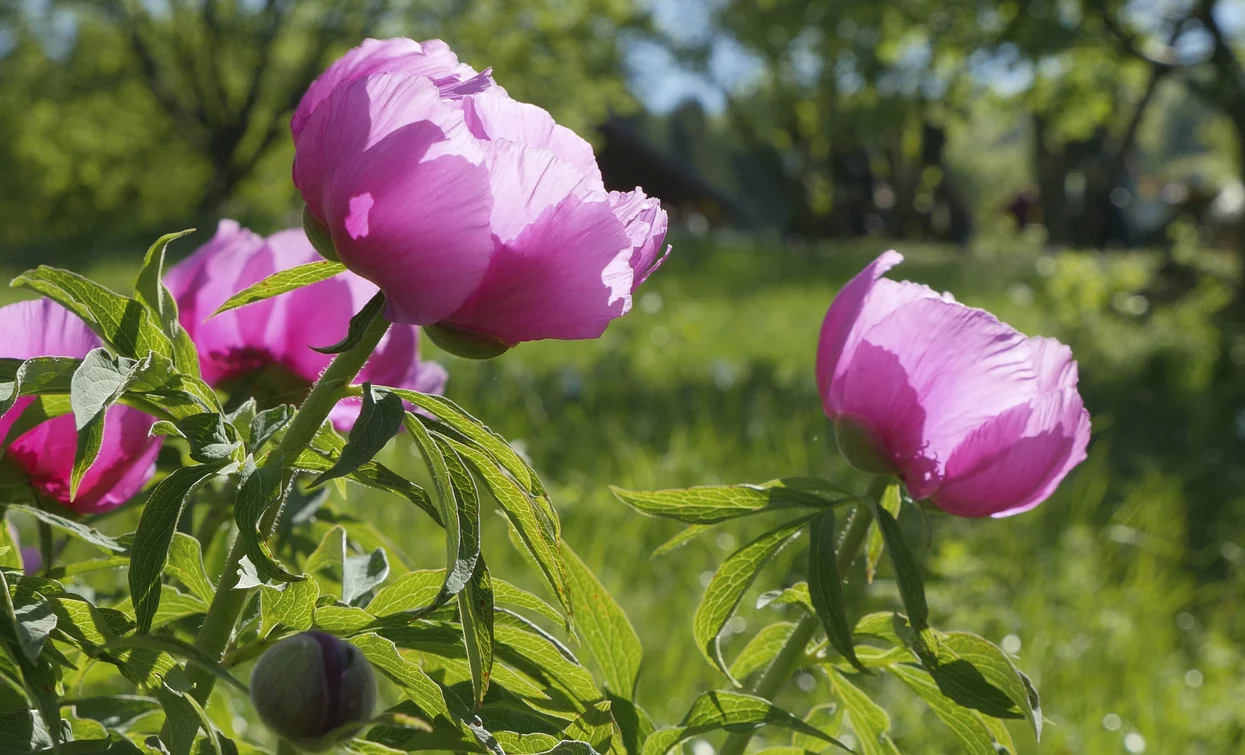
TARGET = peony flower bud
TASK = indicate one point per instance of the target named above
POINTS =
(974, 416)
(45, 453)
(311, 687)
(266, 346)
(473, 212)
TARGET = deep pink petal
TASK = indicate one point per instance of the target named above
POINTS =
(567, 276)
(393, 172)
(433, 60)
(1016, 460)
(646, 224)
(493, 116)
(842, 317)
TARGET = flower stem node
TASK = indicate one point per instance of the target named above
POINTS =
(319, 236)
(860, 444)
(465, 343)
(314, 689)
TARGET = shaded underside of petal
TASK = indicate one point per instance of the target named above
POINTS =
(842, 317)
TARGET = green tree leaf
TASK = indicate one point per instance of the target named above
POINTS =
(150, 291)
(260, 487)
(154, 536)
(358, 326)
(825, 587)
(717, 503)
(293, 607)
(282, 282)
(868, 720)
(379, 420)
(907, 570)
(186, 565)
(967, 724)
(727, 588)
(604, 627)
(761, 649)
(732, 711)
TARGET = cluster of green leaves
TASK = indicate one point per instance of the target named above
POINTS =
(968, 682)
(480, 664)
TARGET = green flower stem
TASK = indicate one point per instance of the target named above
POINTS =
(791, 657)
(227, 604)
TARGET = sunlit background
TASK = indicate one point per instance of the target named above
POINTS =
(1072, 165)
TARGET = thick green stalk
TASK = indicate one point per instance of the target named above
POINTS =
(790, 658)
(227, 605)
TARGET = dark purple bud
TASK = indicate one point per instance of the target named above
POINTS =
(310, 687)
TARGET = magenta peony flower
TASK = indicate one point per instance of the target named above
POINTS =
(127, 458)
(475, 213)
(266, 346)
(973, 415)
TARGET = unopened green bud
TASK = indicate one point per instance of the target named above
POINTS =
(311, 687)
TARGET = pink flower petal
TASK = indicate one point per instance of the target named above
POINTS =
(646, 224)
(1016, 460)
(842, 317)
(566, 276)
(493, 116)
(433, 60)
(526, 181)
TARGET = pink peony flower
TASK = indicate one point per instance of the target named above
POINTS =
(475, 213)
(973, 415)
(266, 346)
(45, 453)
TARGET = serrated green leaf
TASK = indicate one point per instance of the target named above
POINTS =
(826, 718)
(283, 282)
(967, 724)
(732, 711)
(528, 517)
(186, 565)
(293, 607)
(891, 501)
(868, 720)
(761, 649)
(907, 570)
(358, 326)
(260, 488)
(122, 323)
(604, 627)
(825, 587)
(379, 420)
(98, 383)
(711, 504)
(150, 550)
(151, 292)
(727, 588)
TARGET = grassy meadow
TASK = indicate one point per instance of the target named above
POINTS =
(1120, 596)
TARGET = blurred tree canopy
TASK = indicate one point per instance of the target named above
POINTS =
(122, 116)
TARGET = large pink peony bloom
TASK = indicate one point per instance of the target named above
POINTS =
(270, 341)
(474, 212)
(973, 415)
(127, 458)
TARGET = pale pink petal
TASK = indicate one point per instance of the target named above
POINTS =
(566, 277)
(433, 60)
(493, 116)
(408, 210)
(1053, 363)
(1016, 460)
(842, 316)
(646, 224)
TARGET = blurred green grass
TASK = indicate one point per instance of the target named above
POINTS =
(1126, 617)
